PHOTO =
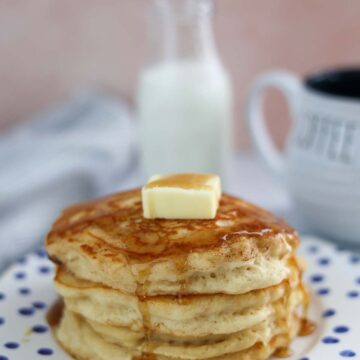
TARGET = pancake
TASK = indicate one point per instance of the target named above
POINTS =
(198, 315)
(84, 342)
(109, 242)
(207, 346)
(229, 288)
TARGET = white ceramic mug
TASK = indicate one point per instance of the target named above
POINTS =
(321, 161)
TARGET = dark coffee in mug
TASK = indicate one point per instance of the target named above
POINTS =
(340, 82)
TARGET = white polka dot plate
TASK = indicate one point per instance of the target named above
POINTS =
(333, 275)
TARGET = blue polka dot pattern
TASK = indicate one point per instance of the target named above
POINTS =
(39, 305)
(317, 278)
(2, 321)
(2, 357)
(313, 249)
(323, 291)
(2, 296)
(39, 329)
(11, 345)
(353, 294)
(20, 275)
(26, 311)
(45, 351)
(24, 291)
(44, 269)
(324, 261)
(347, 353)
(328, 313)
(330, 340)
(41, 253)
(354, 259)
(22, 260)
(341, 329)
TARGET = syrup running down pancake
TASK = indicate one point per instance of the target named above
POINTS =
(136, 288)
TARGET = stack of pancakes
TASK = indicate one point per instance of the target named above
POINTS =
(134, 288)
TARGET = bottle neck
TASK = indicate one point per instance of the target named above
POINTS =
(182, 30)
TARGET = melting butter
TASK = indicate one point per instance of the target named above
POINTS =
(181, 196)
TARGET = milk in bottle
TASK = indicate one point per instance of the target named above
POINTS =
(184, 96)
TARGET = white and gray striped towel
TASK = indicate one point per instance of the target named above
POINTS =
(75, 151)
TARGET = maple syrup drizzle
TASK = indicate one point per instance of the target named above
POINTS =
(126, 208)
(55, 313)
(182, 270)
(307, 327)
(283, 352)
(141, 291)
(183, 181)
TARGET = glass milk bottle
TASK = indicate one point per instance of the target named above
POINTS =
(184, 96)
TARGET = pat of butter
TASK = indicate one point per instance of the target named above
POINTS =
(181, 196)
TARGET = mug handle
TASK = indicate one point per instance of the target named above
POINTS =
(290, 86)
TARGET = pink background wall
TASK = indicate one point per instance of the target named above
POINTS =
(51, 48)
